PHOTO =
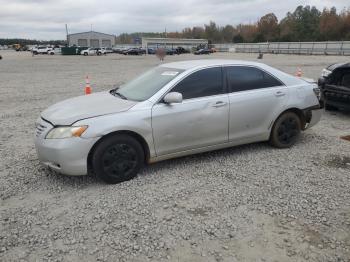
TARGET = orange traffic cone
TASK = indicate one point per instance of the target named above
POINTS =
(299, 73)
(87, 86)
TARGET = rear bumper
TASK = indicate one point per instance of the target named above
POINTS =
(316, 115)
(312, 115)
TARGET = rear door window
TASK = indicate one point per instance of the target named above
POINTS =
(244, 78)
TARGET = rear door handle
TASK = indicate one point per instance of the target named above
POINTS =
(279, 93)
(219, 104)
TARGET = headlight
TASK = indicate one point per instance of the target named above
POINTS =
(66, 132)
(326, 72)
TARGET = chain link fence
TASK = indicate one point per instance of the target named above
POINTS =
(298, 48)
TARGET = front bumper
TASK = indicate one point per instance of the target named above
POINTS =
(66, 156)
(337, 96)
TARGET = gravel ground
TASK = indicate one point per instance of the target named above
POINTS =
(248, 203)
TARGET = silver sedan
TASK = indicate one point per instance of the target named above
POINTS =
(173, 110)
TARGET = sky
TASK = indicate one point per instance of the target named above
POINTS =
(46, 19)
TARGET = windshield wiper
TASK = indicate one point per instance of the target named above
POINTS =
(115, 93)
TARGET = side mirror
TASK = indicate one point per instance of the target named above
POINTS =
(173, 97)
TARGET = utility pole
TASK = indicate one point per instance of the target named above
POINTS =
(67, 35)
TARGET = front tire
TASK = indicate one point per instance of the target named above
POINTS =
(286, 130)
(117, 159)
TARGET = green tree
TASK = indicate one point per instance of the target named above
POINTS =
(212, 32)
(198, 32)
(227, 33)
(330, 25)
(267, 28)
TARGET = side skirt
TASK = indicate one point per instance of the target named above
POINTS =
(208, 148)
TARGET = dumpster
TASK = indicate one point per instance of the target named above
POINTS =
(73, 50)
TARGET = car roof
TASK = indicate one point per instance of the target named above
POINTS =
(190, 64)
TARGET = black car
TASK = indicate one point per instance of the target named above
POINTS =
(118, 50)
(181, 50)
(170, 51)
(151, 51)
(335, 86)
(203, 51)
(133, 51)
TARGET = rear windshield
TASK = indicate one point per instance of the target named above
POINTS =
(148, 84)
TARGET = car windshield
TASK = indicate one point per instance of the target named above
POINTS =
(147, 84)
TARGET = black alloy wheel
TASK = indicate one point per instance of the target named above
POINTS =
(286, 130)
(117, 158)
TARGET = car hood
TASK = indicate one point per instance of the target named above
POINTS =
(71, 110)
(338, 65)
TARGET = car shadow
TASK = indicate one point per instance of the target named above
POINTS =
(55, 179)
(202, 158)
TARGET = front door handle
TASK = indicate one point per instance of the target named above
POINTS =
(219, 104)
(279, 93)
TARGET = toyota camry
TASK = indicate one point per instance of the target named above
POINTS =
(173, 110)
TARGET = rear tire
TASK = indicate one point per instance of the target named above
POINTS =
(85, 54)
(117, 159)
(286, 130)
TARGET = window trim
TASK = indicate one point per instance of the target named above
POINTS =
(223, 83)
(230, 91)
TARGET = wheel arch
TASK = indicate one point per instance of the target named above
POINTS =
(299, 112)
(132, 134)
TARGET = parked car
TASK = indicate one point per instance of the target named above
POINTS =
(41, 50)
(170, 51)
(93, 51)
(54, 51)
(101, 51)
(118, 50)
(335, 86)
(89, 51)
(173, 110)
(181, 50)
(202, 52)
(107, 50)
(133, 51)
(151, 51)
